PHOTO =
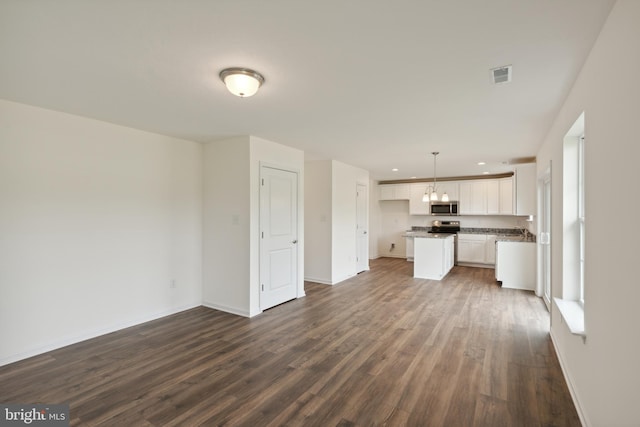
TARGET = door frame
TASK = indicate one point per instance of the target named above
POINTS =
(300, 228)
(544, 216)
(362, 265)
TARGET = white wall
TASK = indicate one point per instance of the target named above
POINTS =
(226, 264)
(394, 222)
(331, 220)
(231, 257)
(318, 217)
(375, 227)
(96, 221)
(343, 233)
(603, 372)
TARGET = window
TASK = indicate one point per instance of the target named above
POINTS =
(581, 214)
(571, 298)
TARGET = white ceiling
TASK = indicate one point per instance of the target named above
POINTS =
(373, 83)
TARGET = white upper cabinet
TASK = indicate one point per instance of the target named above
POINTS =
(394, 191)
(506, 196)
(476, 197)
(493, 197)
(416, 205)
(452, 188)
(525, 176)
(473, 197)
(500, 196)
(486, 197)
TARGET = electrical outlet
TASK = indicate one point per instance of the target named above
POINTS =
(393, 246)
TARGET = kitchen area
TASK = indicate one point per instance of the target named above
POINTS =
(487, 222)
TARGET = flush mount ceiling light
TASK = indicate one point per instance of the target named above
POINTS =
(241, 82)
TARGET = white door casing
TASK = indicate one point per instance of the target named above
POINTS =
(544, 237)
(278, 236)
(362, 238)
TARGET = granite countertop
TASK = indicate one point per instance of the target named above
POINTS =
(502, 234)
(496, 231)
(516, 238)
(426, 235)
(413, 233)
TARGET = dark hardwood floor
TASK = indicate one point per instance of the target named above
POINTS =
(381, 348)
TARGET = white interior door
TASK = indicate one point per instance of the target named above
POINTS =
(362, 236)
(279, 236)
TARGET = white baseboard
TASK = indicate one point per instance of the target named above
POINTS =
(227, 309)
(567, 378)
(316, 280)
(393, 256)
(93, 334)
(475, 264)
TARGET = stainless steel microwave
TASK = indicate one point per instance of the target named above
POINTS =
(444, 208)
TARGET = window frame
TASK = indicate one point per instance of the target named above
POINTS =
(581, 216)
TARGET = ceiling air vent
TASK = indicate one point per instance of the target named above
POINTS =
(501, 74)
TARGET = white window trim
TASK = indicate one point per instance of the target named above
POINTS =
(573, 315)
(571, 303)
(581, 216)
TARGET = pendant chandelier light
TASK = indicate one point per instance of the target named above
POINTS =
(431, 194)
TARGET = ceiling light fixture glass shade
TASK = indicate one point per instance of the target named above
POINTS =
(242, 82)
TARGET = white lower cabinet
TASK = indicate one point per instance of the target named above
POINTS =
(476, 248)
(490, 249)
(516, 265)
(409, 248)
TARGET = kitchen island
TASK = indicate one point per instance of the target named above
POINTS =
(433, 256)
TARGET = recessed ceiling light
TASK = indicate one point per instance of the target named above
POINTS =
(394, 169)
(485, 173)
(481, 163)
(413, 177)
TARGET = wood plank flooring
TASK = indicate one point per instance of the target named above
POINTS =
(381, 348)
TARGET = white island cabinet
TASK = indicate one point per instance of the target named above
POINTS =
(432, 256)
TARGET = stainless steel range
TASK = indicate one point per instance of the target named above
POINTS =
(448, 227)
